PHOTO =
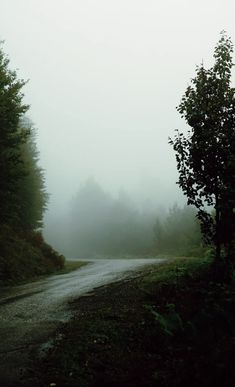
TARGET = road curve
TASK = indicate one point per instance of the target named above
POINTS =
(30, 313)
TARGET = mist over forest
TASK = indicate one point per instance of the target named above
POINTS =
(105, 80)
(99, 224)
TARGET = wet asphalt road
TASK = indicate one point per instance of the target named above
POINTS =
(30, 313)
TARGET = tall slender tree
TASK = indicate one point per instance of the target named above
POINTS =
(206, 154)
(32, 195)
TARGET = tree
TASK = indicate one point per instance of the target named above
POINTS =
(12, 136)
(31, 194)
(206, 155)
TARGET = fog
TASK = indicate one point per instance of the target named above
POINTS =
(104, 80)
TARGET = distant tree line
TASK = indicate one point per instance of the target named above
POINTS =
(102, 225)
(178, 232)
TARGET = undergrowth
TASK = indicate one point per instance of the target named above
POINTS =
(24, 256)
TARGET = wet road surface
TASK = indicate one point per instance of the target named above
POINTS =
(30, 313)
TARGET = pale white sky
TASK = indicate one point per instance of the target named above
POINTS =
(105, 78)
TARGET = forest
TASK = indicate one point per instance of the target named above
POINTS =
(166, 316)
(101, 225)
(98, 224)
(23, 197)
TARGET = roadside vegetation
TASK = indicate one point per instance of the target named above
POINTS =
(171, 326)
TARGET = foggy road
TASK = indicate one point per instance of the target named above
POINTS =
(30, 313)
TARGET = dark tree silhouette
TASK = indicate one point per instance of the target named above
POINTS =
(11, 138)
(22, 190)
(206, 155)
(32, 193)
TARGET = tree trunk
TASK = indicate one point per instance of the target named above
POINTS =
(217, 230)
(217, 265)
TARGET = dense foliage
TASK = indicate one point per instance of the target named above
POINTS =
(22, 191)
(12, 136)
(206, 155)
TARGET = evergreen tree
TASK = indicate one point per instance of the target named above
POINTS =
(32, 195)
(12, 136)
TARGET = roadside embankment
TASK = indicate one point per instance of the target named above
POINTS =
(171, 326)
(24, 256)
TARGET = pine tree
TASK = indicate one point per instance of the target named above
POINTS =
(32, 194)
(12, 136)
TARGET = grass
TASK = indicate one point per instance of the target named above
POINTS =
(71, 266)
(175, 273)
(173, 326)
